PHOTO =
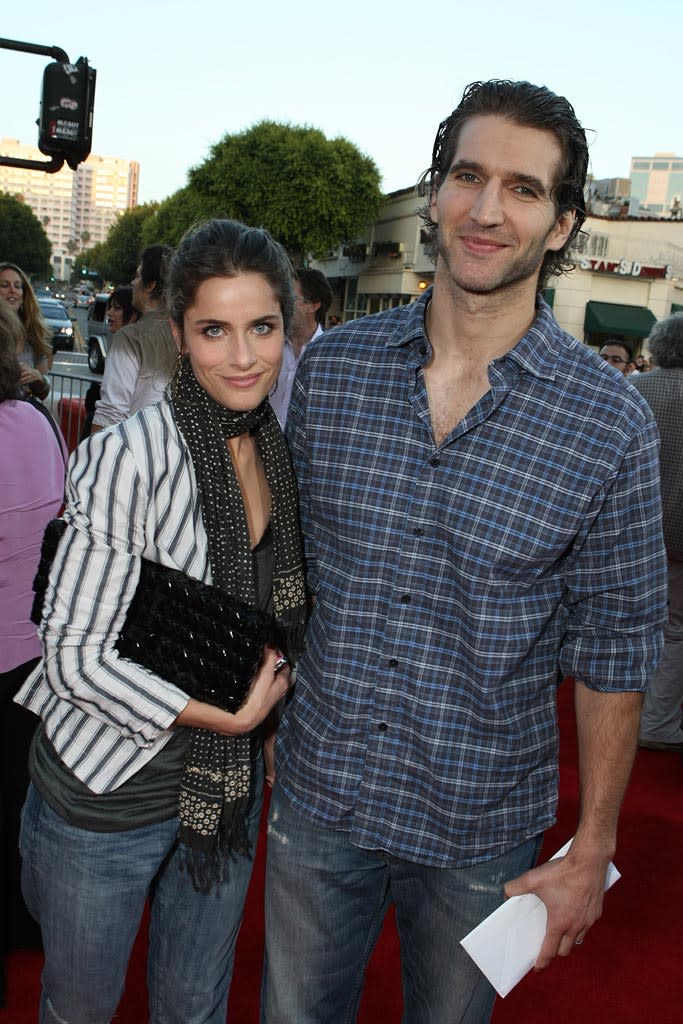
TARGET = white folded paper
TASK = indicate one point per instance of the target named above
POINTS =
(506, 944)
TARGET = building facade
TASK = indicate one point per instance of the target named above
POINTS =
(76, 208)
(628, 272)
(657, 182)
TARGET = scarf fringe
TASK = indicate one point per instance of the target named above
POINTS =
(207, 859)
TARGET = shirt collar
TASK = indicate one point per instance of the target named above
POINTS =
(536, 352)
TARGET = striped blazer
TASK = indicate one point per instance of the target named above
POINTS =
(131, 492)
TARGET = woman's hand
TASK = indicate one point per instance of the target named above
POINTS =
(267, 688)
(34, 380)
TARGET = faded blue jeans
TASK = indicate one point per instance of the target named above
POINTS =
(325, 905)
(88, 892)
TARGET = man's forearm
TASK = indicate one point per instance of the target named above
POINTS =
(607, 729)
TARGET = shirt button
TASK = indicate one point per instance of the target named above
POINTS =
(392, 663)
(405, 599)
(419, 532)
(382, 726)
(435, 461)
(423, 350)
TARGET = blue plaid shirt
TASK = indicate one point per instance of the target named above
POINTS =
(456, 586)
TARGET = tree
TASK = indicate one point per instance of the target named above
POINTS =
(175, 215)
(119, 254)
(89, 260)
(22, 237)
(310, 192)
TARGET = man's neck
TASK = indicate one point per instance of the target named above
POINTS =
(478, 328)
(299, 344)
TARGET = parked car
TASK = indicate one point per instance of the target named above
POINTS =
(98, 332)
(56, 317)
(82, 300)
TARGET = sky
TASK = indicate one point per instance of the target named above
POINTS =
(173, 78)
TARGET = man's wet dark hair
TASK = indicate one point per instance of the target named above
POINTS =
(531, 106)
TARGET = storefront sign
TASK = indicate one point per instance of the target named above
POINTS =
(625, 268)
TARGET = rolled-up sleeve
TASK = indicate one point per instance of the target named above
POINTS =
(617, 587)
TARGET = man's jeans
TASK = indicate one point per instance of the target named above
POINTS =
(88, 891)
(325, 904)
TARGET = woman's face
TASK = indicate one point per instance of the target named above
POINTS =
(115, 317)
(12, 289)
(234, 334)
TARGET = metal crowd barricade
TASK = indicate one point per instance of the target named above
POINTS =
(66, 402)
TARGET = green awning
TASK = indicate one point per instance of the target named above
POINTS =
(613, 318)
(676, 307)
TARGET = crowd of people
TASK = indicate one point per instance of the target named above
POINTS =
(422, 521)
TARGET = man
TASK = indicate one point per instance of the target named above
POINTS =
(618, 355)
(313, 297)
(141, 355)
(660, 723)
(482, 518)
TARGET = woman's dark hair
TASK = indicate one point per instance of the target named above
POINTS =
(154, 261)
(122, 296)
(666, 341)
(531, 106)
(226, 248)
(11, 333)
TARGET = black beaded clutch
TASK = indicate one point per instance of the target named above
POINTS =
(195, 636)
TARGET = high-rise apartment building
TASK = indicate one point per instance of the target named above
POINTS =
(656, 181)
(76, 208)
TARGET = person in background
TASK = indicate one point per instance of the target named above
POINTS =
(661, 727)
(481, 518)
(32, 464)
(34, 350)
(120, 311)
(313, 298)
(617, 354)
(120, 807)
(142, 355)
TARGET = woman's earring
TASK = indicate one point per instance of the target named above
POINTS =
(177, 374)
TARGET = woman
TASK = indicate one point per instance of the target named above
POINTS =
(120, 308)
(34, 350)
(120, 311)
(27, 501)
(201, 482)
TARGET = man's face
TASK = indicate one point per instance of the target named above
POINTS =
(304, 323)
(494, 210)
(616, 356)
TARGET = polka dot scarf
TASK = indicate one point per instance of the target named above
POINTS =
(215, 787)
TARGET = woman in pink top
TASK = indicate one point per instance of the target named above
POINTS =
(32, 467)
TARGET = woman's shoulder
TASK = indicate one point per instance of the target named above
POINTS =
(150, 435)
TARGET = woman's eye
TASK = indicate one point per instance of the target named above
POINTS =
(262, 329)
(213, 331)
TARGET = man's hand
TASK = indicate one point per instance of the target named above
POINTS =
(572, 890)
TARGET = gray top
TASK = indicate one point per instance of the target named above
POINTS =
(662, 388)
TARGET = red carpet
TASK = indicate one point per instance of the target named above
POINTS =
(629, 971)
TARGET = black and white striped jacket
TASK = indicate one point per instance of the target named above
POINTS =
(131, 492)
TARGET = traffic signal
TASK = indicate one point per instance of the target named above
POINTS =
(66, 111)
